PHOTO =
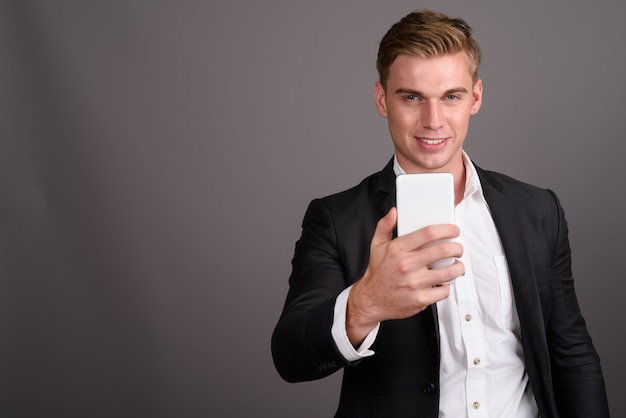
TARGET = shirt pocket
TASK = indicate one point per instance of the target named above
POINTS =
(508, 314)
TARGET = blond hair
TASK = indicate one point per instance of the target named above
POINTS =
(427, 34)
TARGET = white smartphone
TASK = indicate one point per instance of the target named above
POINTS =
(425, 199)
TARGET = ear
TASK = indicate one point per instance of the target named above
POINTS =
(477, 94)
(380, 100)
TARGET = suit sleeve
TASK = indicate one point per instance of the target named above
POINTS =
(302, 344)
(577, 376)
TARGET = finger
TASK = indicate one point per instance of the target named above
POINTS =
(458, 264)
(439, 255)
(440, 292)
(385, 227)
(439, 250)
(448, 275)
(429, 234)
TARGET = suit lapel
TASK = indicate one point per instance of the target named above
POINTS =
(505, 212)
(387, 187)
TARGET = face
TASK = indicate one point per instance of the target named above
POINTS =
(428, 103)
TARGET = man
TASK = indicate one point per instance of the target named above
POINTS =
(505, 340)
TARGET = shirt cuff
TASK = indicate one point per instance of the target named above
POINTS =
(341, 337)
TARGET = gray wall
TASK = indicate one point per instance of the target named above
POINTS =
(156, 159)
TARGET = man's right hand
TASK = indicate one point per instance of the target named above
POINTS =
(398, 283)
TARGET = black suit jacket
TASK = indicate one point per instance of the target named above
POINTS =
(402, 378)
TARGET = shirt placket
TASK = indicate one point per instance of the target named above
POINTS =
(472, 331)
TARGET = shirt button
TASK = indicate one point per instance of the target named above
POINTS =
(476, 361)
(476, 405)
(429, 389)
(468, 317)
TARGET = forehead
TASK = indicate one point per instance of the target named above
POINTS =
(444, 71)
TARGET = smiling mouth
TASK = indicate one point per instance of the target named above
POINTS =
(431, 141)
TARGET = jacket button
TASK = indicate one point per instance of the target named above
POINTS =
(328, 365)
(429, 389)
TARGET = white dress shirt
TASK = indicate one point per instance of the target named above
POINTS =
(482, 372)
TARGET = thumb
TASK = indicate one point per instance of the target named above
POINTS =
(384, 228)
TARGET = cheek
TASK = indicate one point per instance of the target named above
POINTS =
(403, 121)
(399, 129)
(459, 120)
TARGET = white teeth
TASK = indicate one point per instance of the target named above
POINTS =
(431, 141)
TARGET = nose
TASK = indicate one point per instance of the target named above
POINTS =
(432, 116)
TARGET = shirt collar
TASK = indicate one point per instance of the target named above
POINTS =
(472, 182)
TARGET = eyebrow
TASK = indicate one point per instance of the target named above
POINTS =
(420, 94)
